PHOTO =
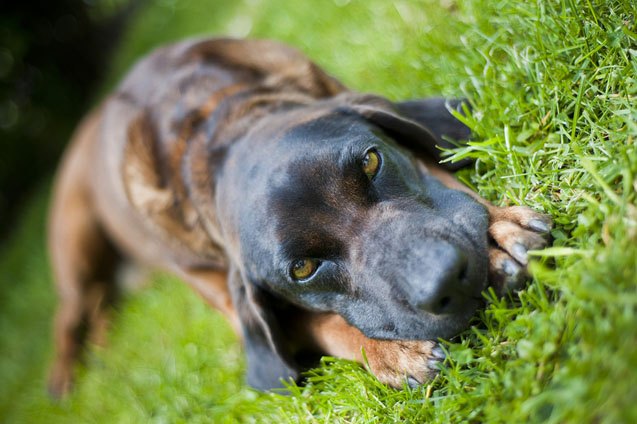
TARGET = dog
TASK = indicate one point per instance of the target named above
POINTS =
(318, 220)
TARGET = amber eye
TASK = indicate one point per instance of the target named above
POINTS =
(371, 163)
(303, 269)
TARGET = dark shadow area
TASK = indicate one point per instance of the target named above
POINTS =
(53, 55)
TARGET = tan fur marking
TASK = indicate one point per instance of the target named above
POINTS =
(390, 361)
(157, 202)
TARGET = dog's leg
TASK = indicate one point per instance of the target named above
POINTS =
(83, 262)
(513, 231)
(393, 362)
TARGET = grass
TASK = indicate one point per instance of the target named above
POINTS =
(554, 90)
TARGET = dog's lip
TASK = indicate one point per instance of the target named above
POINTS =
(446, 331)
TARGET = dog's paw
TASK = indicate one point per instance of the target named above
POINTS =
(60, 381)
(513, 231)
(398, 362)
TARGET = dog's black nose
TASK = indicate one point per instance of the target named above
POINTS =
(438, 290)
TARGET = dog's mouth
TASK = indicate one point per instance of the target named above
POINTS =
(453, 326)
(407, 312)
(407, 323)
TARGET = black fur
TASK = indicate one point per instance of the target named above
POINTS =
(401, 256)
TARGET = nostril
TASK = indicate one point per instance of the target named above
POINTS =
(464, 268)
(439, 306)
(443, 303)
(463, 273)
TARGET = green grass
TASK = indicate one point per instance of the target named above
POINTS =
(554, 89)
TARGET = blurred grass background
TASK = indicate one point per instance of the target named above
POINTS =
(554, 87)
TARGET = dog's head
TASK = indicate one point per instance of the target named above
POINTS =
(327, 209)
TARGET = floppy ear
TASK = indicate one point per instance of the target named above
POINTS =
(268, 358)
(434, 114)
(422, 126)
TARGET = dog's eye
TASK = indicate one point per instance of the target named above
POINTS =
(302, 269)
(371, 163)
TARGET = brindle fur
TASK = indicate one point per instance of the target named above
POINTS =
(215, 156)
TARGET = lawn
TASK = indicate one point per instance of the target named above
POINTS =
(553, 86)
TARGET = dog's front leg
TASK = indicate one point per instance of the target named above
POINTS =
(393, 362)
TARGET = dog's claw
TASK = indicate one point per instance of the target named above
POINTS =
(539, 226)
(519, 252)
(515, 283)
(412, 382)
(515, 275)
(438, 353)
(434, 364)
(437, 358)
(407, 361)
(514, 231)
(510, 268)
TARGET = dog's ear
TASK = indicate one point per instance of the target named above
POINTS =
(269, 360)
(435, 114)
(422, 126)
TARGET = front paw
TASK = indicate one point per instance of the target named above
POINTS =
(513, 231)
(61, 379)
(398, 362)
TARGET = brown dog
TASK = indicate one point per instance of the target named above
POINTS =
(316, 219)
